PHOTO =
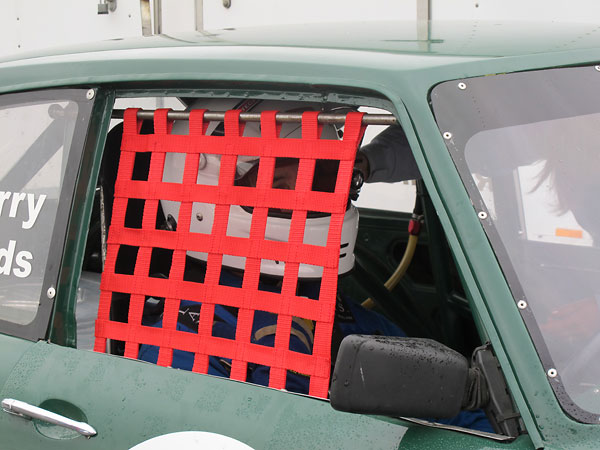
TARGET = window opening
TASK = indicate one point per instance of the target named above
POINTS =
(222, 250)
(201, 273)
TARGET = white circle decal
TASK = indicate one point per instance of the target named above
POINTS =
(185, 440)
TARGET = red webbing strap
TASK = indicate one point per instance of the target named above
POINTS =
(286, 305)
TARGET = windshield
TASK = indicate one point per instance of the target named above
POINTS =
(527, 148)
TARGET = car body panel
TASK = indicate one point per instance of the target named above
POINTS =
(12, 350)
(168, 400)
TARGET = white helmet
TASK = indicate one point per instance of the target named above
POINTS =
(240, 217)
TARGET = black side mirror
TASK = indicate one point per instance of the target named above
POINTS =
(411, 377)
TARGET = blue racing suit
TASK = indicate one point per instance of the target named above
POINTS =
(224, 326)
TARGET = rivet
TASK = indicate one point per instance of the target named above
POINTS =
(482, 215)
(51, 292)
(462, 86)
(552, 373)
(199, 217)
(597, 68)
(522, 304)
(226, 3)
(90, 94)
(447, 135)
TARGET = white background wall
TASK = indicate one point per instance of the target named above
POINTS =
(36, 24)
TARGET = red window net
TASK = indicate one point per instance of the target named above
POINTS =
(286, 304)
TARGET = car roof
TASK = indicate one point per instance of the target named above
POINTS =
(353, 51)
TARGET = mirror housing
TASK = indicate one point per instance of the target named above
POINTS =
(398, 376)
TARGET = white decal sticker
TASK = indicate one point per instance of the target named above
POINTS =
(7, 255)
(187, 440)
(27, 208)
(22, 261)
(33, 207)
(17, 198)
(3, 197)
(34, 210)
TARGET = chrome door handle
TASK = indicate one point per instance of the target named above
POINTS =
(28, 411)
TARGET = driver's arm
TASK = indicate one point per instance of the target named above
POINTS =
(387, 158)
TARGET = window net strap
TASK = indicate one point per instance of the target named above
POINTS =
(134, 287)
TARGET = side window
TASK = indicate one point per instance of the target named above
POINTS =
(39, 132)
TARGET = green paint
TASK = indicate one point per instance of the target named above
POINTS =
(64, 328)
(168, 400)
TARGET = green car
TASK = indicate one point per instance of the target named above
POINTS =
(470, 321)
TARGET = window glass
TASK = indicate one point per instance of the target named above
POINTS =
(34, 147)
(547, 225)
(526, 146)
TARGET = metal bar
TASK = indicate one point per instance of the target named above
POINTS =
(368, 119)
(146, 17)
(199, 10)
(157, 7)
(28, 411)
(424, 25)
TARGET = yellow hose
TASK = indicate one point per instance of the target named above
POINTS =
(393, 281)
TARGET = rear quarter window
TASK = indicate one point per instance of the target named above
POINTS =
(38, 131)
